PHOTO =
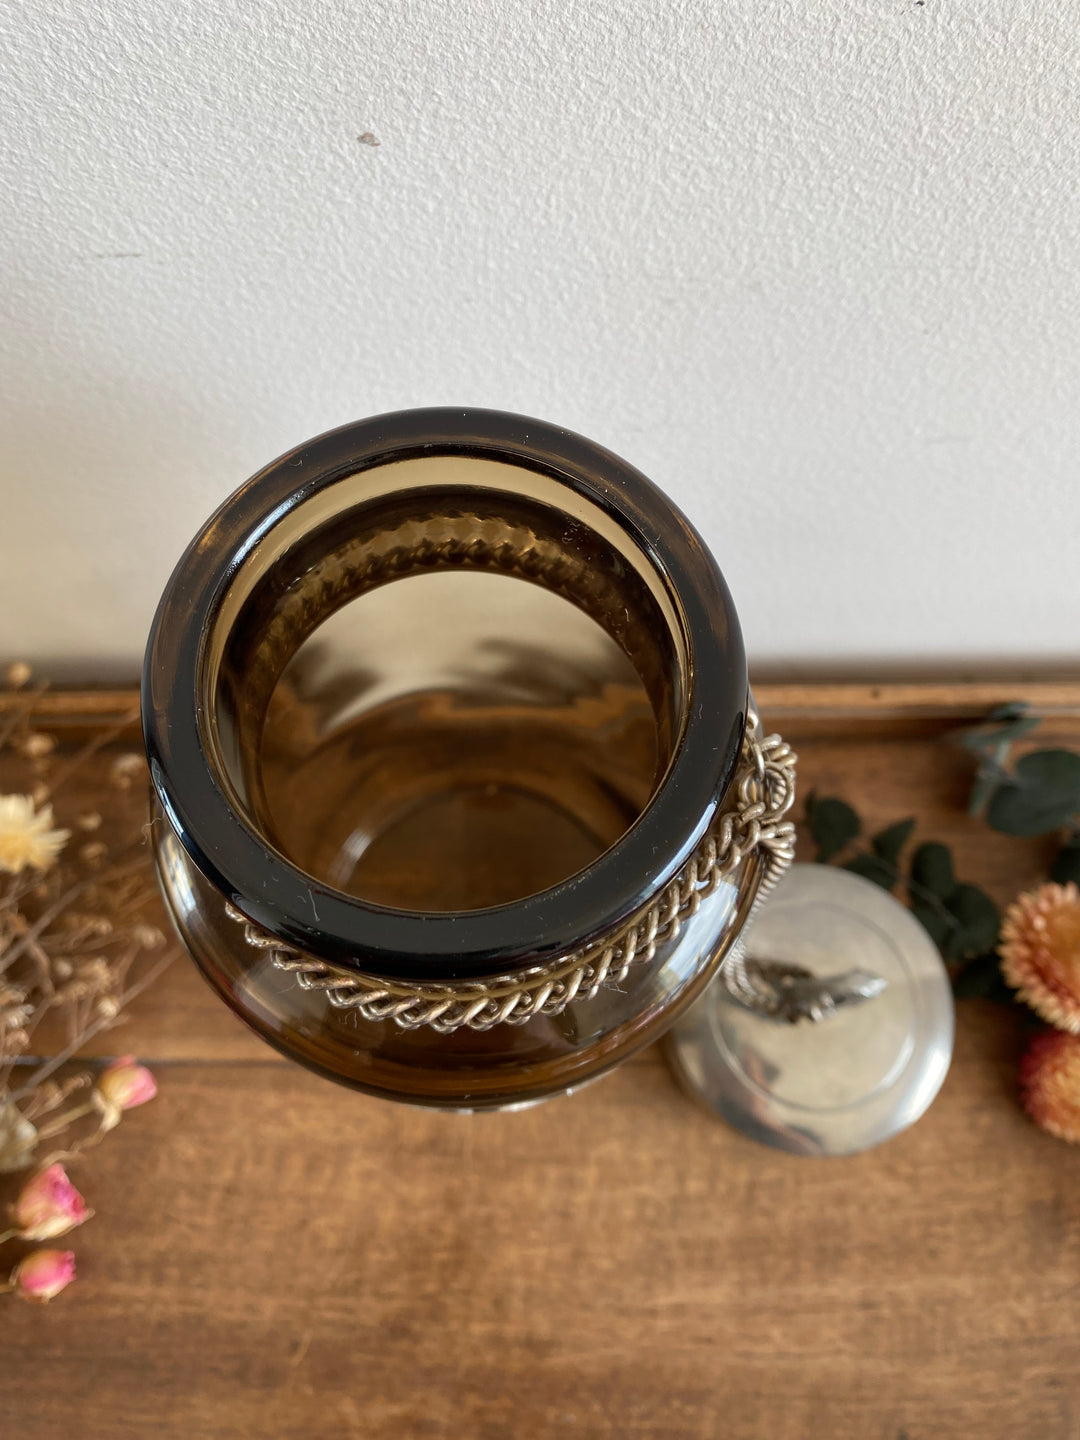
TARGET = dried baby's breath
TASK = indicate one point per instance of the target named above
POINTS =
(35, 745)
(75, 946)
(126, 769)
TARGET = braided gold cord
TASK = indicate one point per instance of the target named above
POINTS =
(763, 791)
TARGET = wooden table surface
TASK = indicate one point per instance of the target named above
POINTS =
(273, 1256)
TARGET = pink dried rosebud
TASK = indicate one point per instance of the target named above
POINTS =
(43, 1274)
(122, 1086)
(49, 1205)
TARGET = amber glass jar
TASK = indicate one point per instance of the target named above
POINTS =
(446, 714)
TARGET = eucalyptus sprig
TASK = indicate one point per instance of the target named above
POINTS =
(961, 919)
(1038, 795)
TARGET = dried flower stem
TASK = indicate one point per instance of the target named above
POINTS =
(48, 1067)
(73, 932)
(19, 887)
(51, 1095)
(20, 713)
(100, 740)
(46, 1132)
(58, 907)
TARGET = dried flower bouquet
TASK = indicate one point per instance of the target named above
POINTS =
(75, 950)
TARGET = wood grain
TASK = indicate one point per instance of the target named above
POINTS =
(275, 1257)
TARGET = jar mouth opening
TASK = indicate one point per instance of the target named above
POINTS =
(369, 523)
(451, 655)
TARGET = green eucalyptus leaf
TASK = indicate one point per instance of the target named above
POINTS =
(1044, 794)
(1066, 867)
(833, 824)
(932, 868)
(889, 842)
(1050, 769)
(977, 923)
(873, 867)
(937, 923)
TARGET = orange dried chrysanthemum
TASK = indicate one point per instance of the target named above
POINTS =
(1040, 952)
(1050, 1083)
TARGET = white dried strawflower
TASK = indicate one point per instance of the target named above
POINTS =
(26, 835)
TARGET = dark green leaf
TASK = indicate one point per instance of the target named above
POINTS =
(977, 923)
(1044, 794)
(1050, 770)
(873, 867)
(889, 842)
(833, 824)
(937, 923)
(1067, 865)
(932, 867)
(982, 979)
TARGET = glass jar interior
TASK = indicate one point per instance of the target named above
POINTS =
(453, 741)
(453, 685)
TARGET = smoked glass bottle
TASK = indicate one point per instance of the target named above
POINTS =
(458, 795)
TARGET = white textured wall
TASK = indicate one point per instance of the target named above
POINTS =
(814, 268)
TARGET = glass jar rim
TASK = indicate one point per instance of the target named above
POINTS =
(296, 908)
